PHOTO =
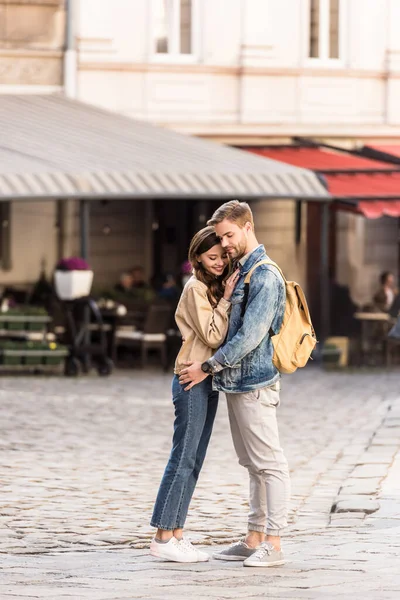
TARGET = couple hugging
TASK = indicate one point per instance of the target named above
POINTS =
(227, 347)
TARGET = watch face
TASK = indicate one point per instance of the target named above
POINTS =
(205, 367)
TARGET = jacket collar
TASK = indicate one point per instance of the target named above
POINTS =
(257, 255)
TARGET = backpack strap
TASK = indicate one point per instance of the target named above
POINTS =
(247, 282)
(262, 262)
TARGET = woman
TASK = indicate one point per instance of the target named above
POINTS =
(385, 296)
(202, 318)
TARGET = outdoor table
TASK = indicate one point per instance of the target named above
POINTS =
(367, 319)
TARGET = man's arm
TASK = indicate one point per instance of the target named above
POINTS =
(265, 295)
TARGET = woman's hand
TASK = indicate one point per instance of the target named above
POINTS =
(230, 284)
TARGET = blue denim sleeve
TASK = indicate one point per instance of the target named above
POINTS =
(265, 295)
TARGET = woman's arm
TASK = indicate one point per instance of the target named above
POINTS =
(210, 324)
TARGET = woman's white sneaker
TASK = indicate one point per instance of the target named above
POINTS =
(177, 551)
(202, 556)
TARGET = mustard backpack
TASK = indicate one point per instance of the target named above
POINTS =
(296, 339)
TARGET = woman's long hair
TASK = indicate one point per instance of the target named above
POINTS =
(202, 241)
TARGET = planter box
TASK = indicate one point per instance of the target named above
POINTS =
(70, 285)
(33, 357)
(35, 325)
(24, 322)
(54, 360)
(10, 360)
(14, 326)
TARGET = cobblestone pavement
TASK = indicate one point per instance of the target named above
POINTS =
(81, 461)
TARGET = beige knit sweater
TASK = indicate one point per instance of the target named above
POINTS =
(203, 327)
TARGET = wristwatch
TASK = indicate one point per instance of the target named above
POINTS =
(206, 367)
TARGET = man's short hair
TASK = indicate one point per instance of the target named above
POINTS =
(234, 211)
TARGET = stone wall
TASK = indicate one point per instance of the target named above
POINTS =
(32, 34)
(275, 228)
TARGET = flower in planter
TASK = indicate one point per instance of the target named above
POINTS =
(121, 310)
(74, 263)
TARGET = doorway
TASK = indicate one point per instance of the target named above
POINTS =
(314, 213)
(174, 224)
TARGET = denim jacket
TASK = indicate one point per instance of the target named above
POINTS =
(246, 355)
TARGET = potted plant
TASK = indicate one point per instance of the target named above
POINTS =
(73, 278)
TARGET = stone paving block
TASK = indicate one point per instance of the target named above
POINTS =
(343, 516)
(393, 424)
(369, 471)
(355, 486)
(346, 522)
(357, 504)
(385, 437)
(389, 449)
(373, 458)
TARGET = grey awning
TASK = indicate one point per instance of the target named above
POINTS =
(51, 147)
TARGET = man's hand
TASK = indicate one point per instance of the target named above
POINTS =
(192, 375)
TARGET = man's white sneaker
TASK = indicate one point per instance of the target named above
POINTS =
(265, 556)
(176, 551)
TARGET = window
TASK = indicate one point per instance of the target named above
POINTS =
(325, 29)
(173, 28)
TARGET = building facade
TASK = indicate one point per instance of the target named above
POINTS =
(240, 72)
(32, 40)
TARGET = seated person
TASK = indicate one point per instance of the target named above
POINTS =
(125, 283)
(169, 289)
(140, 288)
(384, 297)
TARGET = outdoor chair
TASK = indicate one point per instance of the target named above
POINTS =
(153, 336)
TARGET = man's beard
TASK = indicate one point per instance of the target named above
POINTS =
(240, 251)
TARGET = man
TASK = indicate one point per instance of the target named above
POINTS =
(124, 286)
(243, 369)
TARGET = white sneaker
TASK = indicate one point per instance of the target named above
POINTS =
(175, 551)
(265, 556)
(202, 556)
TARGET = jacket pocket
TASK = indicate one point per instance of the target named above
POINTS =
(237, 297)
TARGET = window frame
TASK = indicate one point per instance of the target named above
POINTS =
(324, 35)
(174, 56)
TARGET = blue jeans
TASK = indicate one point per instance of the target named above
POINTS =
(195, 412)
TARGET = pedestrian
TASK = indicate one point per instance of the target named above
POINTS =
(244, 370)
(202, 318)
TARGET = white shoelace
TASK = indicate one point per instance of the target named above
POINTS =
(264, 549)
(186, 545)
(239, 543)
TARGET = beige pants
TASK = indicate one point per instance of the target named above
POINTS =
(255, 436)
